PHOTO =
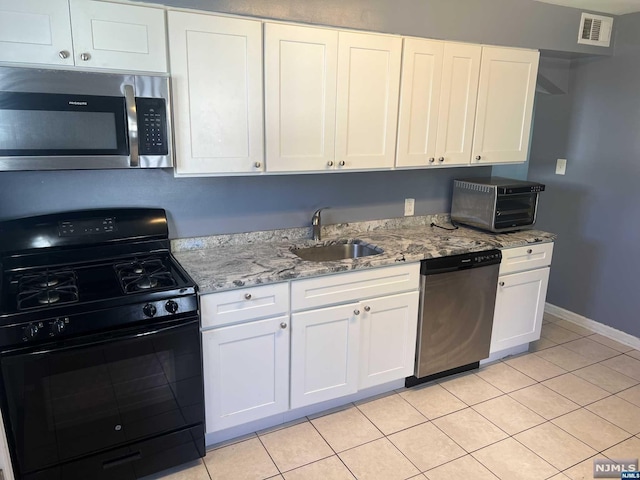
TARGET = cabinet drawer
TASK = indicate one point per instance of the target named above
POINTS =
(251, 303)
(529, 257)
(353, 286)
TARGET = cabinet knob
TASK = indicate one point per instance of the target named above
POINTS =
(63, 54)
(431, 160)
(529, 251)
(342, 163)
(85, 57)
(501, 284)
(478, 157)
(367, 308)
(283, 325)
(258, 164)
(330, 163)
(356, 312)
(441, 159)
(247, 296)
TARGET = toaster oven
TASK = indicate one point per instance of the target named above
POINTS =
(494, 203)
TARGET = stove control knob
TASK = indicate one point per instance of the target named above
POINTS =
(57, 327)
(149, 310)
(171, 306)
(31, 331)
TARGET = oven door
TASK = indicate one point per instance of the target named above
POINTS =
(57, 131)
(515, 210)
(114, 405)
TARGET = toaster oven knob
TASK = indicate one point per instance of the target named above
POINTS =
(31, 331)
(171, 306)
(149, 310)
(58, 327)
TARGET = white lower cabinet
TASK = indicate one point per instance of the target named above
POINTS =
(388, 331)
(521, 296)
(246, 370)
(347, 332)
(324, 354)
(367, 340)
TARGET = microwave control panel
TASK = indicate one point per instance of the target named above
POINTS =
(152, 126)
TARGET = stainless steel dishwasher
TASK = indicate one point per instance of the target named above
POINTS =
(457, 299)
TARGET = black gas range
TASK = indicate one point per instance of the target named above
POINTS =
(100, 350)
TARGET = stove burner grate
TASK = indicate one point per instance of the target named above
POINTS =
(144, 275)
(47, 288)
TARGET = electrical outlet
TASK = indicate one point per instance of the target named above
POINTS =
(409, 204)
(561, 166)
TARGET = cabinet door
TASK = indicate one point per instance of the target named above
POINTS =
(505, 105)
(324, 354)
(111, 35)
(35, 31)
(300, 97)
(460, 71)
(519, 308)
(419, 102)
(216, 72)
(388, 338)
(246, 372)
(367, 100)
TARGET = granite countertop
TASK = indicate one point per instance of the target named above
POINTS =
(224, 262)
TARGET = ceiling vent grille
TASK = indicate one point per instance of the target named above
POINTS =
(595, 30)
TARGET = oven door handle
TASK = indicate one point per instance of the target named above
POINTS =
(132, 120)
(103, 338)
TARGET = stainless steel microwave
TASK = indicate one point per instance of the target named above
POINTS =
(496, 204)
(59, 119)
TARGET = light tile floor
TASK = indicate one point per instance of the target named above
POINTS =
(544, 414)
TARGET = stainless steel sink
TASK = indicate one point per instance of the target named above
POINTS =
(340, 250)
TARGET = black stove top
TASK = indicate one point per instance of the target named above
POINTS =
(60, 275)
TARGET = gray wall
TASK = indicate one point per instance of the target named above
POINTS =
(595, 207)
(205, 206)
(515, 23)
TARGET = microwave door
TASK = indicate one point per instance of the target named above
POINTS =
(60, 131)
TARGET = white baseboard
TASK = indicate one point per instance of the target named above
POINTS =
(597, 327)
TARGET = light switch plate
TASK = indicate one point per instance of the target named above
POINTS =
(561, 166)
(409, 204)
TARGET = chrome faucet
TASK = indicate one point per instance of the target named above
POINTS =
(316, 223)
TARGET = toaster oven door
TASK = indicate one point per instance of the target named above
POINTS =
(515, 210)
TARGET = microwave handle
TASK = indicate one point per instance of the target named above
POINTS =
(132, 120)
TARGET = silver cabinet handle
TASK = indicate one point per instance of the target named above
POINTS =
(478, 157)
(342, 163)
(356, 312)
(63, 54)
(441, 159)
(431, 160)
(330, 163)
(247, 296)
(529, 251)
(85, 57)
(367, 308)
(283, 325)
(258, 164)
(501, 284)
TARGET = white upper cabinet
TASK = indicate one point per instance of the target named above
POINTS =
(35, 31)
(126, 37)
(367, 100)
(216, 69)
(505, 105)
(437, 103)
(460, 71)
(105, 35)
(419, 102)
(300, 97)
